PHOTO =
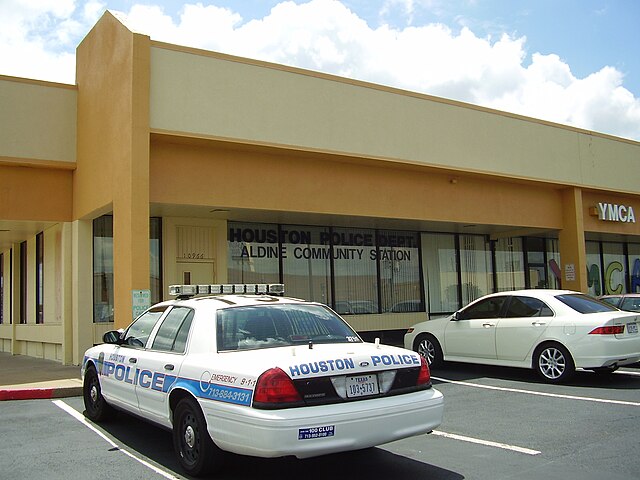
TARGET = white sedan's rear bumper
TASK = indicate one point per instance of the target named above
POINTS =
(606, 351)
(320, 430)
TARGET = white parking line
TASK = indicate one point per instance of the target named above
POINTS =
(627, 372)
(487, 443)
(541, 394)
(78, 416)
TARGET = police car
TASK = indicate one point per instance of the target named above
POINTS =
(243, 369)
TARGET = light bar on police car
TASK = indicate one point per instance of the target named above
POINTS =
(227, 289)
(183, 289)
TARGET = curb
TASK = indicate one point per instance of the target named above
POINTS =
(39, 393)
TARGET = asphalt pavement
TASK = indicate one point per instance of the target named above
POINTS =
(28, 378)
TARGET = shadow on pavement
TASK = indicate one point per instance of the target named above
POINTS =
(156, 444)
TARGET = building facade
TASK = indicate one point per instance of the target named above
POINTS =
(166, 164)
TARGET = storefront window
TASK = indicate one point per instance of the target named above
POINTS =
(155, 260)
(40, 277)
(509, 264)
(614, 268)
(355, 271)
(553, 264)
(103, 266)
(594, 279)
(254, 253)
(398, 257)
(1, 288)
(103, 269)
(634, 267)
(441, 272)
(306, 263)
(23, 282)
(475, 267)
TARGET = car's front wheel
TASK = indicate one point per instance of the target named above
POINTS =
(197, 453)
(427, 346)
(553, 363)
(96, 407)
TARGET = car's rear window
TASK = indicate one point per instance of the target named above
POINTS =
(585, 304)
(251, 327)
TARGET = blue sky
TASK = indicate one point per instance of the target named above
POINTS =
(574, 62)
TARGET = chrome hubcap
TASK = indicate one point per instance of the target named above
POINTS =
(189, 436)
(427, 350)
(552, 363)
(93, 393)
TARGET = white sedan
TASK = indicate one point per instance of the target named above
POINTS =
(259, 375)
(551, 331)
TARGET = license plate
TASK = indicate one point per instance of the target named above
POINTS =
(362, 386)
(632, 328)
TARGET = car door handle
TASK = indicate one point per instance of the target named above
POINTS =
(538, 324)
(488, 325)
(169, 366)
(133, 360)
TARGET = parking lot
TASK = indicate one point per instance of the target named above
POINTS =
(499, 423)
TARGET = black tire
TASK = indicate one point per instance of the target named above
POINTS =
(196, 452)
(429, 348)
(96, 407)
(553, 363)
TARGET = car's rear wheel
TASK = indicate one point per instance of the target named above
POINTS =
(96, 407)
(197, 453)
(428, 347)
(553, 363)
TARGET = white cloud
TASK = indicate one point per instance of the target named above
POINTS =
(38, 37)
(324, 35)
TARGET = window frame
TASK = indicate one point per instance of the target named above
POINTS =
(463, 314)
(187, 317)
(125, 342)
(541, 307)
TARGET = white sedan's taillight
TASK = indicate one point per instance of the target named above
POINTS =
(608, 330)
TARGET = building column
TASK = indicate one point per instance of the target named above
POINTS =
(130, 256)
(131, 193)
(573, 254)
(66, 292)
(15, 295)
(81, 328)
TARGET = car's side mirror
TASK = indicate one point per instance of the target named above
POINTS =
(457, 316)
(112, 336)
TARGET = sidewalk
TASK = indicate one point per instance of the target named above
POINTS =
(26, 378)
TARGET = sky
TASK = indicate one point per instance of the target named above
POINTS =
(574, 62)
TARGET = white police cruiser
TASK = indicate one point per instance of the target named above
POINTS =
(246, 370)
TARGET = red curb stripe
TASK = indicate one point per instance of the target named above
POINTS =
(27, 394)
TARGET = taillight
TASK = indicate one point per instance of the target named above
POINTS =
(274, 386)
(425, 375)
(610, 330)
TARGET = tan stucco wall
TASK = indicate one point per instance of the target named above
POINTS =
(113, 149)
(227, 178)
(42, 194)
(37, 122)
(592, 223)
(198, 93)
